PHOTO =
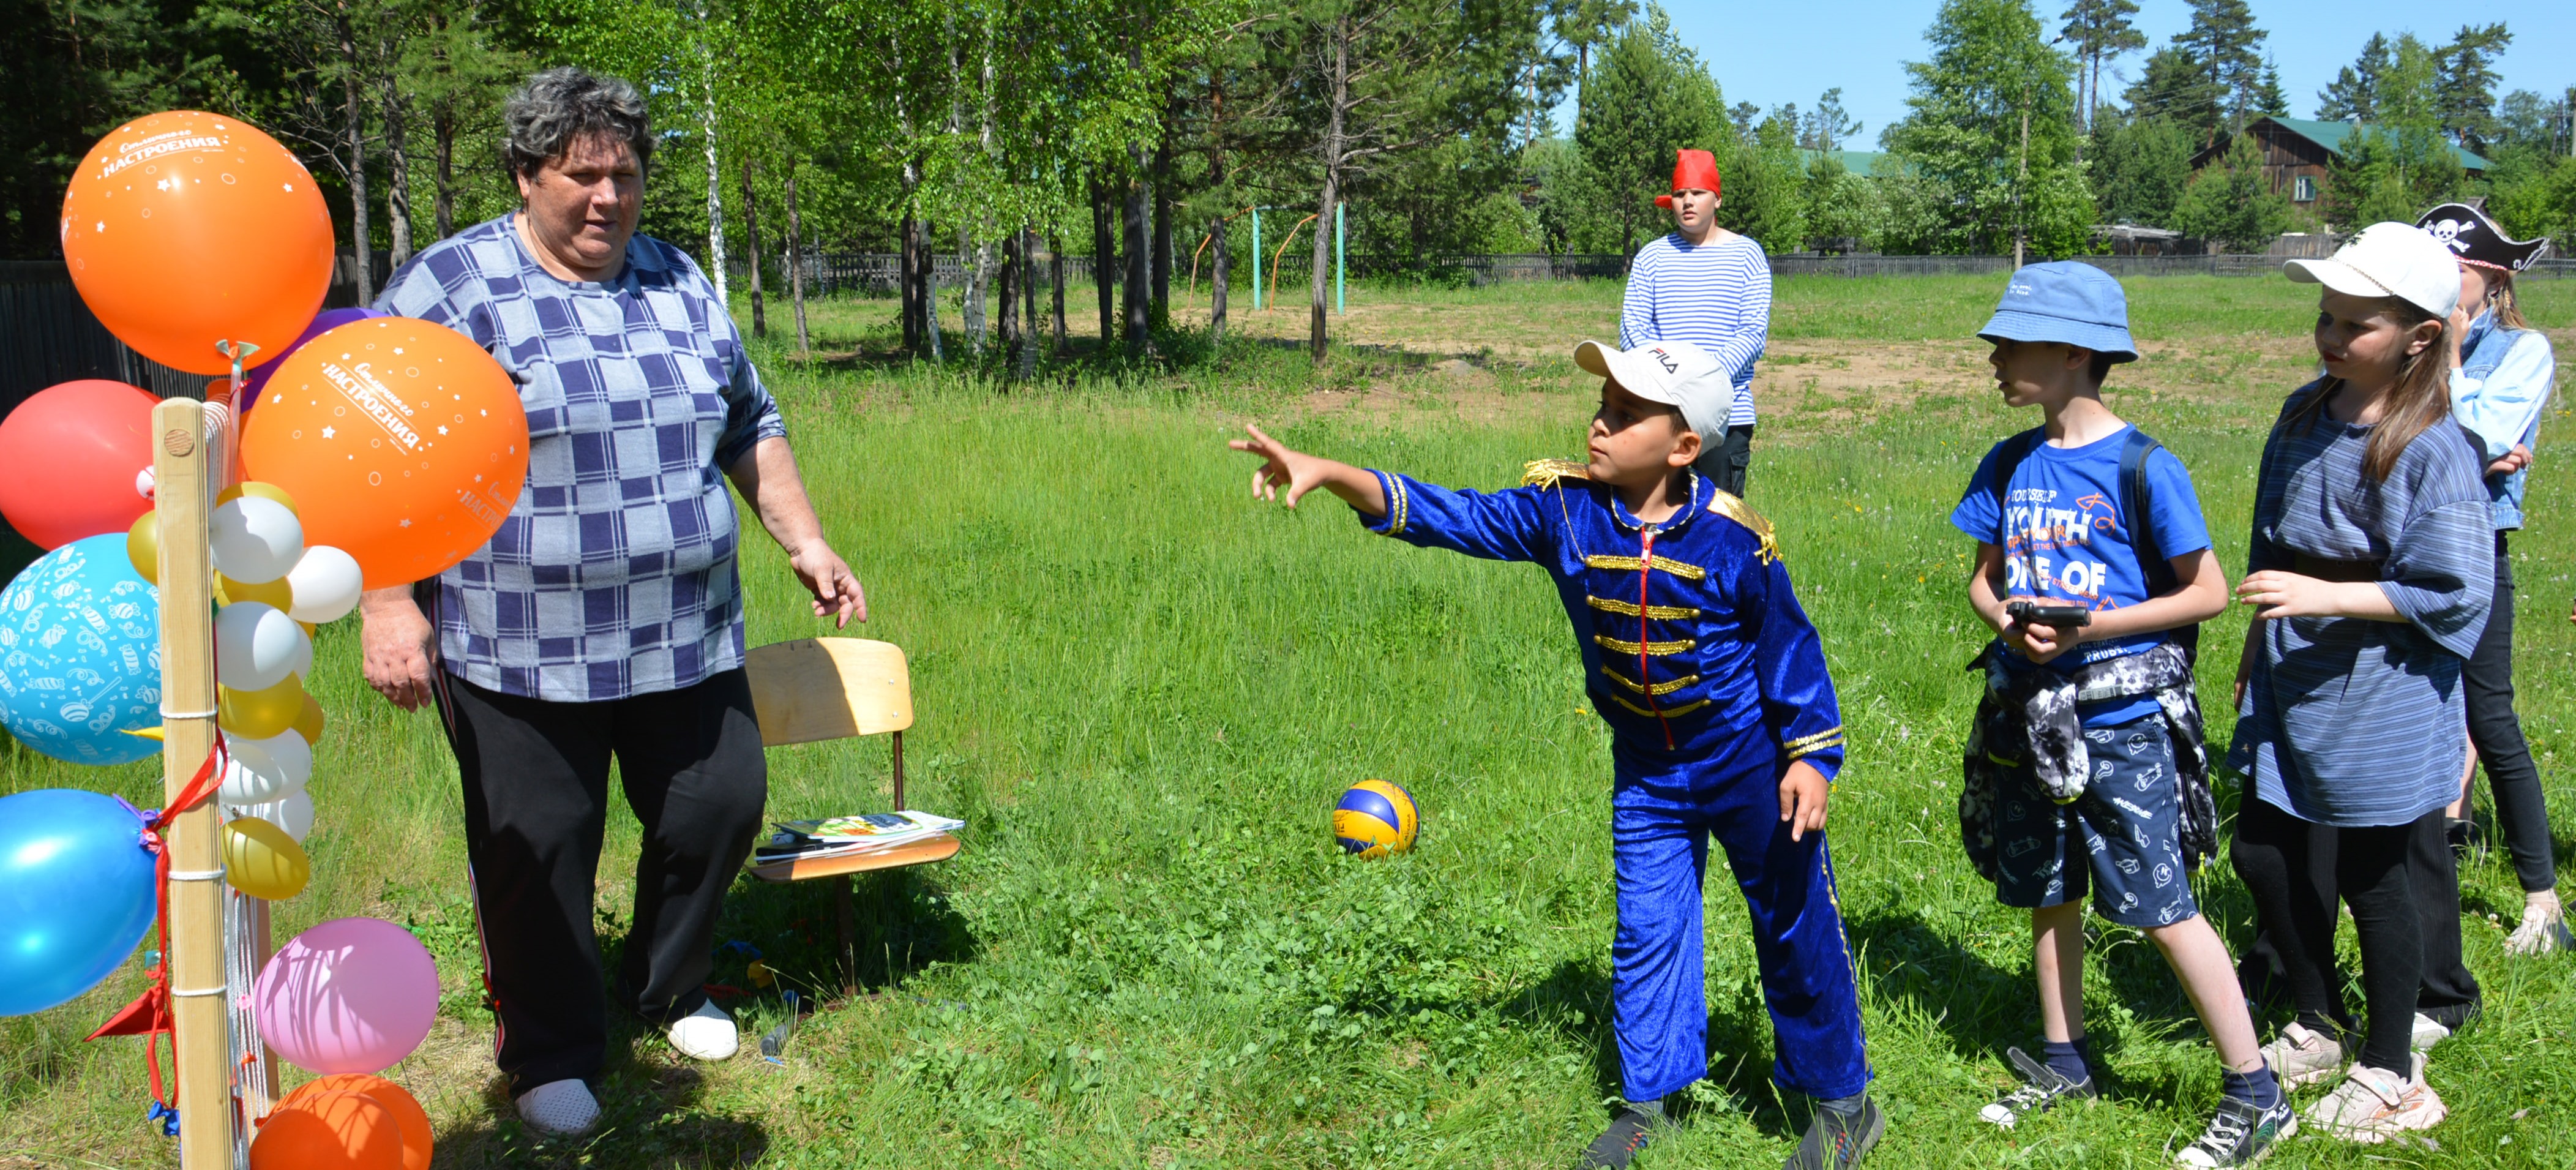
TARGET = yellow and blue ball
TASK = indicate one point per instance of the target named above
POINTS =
(1375, 818)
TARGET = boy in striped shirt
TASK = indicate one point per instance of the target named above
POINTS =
(1711, 287)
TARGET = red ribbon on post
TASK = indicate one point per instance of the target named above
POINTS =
(149, 1015)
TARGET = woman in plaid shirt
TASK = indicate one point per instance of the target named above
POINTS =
(604, 619)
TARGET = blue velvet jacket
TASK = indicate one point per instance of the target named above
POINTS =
(1694, 647)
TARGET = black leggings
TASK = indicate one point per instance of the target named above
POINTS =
(2521, 808)
(2278, 856)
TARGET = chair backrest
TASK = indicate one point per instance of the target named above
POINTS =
(828, 688)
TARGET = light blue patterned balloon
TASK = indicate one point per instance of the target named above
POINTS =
(80, 654)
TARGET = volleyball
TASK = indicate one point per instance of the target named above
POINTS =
(1375, 818)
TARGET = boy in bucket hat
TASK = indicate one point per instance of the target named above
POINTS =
(1722, 717)
(2084, 762)
(1711, 287)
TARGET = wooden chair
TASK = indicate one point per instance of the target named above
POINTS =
(835, 688)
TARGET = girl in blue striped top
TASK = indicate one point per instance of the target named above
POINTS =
(2372, 575)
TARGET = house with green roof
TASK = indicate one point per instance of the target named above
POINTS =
(2299, 155)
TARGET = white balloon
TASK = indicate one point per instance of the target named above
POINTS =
(256, 539)
(303, 664)
(293, 813)
(256, 645)
(326, 583)
(260, 771)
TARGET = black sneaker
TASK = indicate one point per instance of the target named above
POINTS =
(2240, 1134)
(1631, 1131)
(2041, 1089)
(1837, 1142)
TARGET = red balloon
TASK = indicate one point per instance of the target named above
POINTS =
(185, 228)
(68, 457)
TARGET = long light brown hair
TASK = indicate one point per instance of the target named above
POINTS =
(2416, 401)
(2508, 311)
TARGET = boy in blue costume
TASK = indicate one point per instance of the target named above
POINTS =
(1722, 716)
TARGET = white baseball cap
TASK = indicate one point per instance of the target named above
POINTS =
(2389, 259)
(1675, 373)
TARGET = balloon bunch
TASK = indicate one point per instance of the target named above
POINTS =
(271, 591)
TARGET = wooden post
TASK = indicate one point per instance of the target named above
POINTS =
(196, 958)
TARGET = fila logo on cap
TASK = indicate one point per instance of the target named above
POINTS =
(1670, 366)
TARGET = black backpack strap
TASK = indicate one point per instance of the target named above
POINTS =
(2136, 503)
(2008, 457)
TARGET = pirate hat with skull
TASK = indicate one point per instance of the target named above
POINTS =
(2475, 239)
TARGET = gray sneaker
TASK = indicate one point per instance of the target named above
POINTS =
(2300, 1057)
(2040, 1090)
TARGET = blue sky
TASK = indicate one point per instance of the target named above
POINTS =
(1769, 53)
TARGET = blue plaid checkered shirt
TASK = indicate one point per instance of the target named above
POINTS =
(614, 575)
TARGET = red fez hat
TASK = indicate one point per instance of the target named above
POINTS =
(1694, 170)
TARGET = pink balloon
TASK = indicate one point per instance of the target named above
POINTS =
(352, 995)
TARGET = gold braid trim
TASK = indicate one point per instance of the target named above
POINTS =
(1665, 613)
(1734, 508)
(1546, 472)
(1658, 649)
(1398, 503)
(1666, 713)
(1813, 748)
(1804, 740)
(1659, 689)
(1632, 564)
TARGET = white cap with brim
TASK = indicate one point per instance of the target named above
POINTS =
(1674, 373)
(2389, 259)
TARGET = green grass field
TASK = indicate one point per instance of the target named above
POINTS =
(1143, 692)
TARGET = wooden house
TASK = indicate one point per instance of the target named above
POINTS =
(2298, 155)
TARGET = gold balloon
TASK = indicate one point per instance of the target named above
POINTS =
(275, 593)
(143, 546)
(262, 861)
(309, 724)
(260, 714)
(265, 491)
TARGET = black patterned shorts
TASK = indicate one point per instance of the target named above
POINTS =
(2121, 839)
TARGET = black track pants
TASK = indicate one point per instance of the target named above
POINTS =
(2521, 808)
(536, 803)
(2371, 873)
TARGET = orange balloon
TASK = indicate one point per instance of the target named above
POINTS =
(409, 1117)
(402, 443)
(329, 1131)
(186, 228)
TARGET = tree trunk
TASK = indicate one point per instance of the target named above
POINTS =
(1104, 262)
(975, 257)
(715, 177)
(1029, 298)
(442, 132)
(1162, 304)
(1010, 297)
(929, 277)
(908, 280)
(796, 262)
(364, 239)
(1139, 312)
(397, 175)
(1339, 96)
(751, 241)
(1217, 272)
(1055, 270)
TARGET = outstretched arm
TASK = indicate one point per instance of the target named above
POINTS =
(1302, 473)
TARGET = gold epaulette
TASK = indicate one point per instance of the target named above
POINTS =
(1734, 508)
(1545, 472)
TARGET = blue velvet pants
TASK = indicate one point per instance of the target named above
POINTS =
(1663, 815)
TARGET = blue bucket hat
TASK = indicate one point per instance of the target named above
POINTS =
(2065, 301)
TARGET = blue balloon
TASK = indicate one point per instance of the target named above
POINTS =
(80, 654)
(75, 894)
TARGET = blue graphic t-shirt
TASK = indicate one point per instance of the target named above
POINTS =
(2064, 539)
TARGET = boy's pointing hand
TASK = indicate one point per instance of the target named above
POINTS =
(1301, 473)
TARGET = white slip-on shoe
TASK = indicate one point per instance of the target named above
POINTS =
(2428, 1032)
(706, 1034)
(560, 1108)
(2543, 928)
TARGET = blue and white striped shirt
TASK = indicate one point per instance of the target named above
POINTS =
(1715, 295)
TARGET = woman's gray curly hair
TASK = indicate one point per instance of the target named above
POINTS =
(564, 104)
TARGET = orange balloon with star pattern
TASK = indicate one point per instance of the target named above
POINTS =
(401, 441)
(185, 228)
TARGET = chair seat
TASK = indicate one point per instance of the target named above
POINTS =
(922, 852)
